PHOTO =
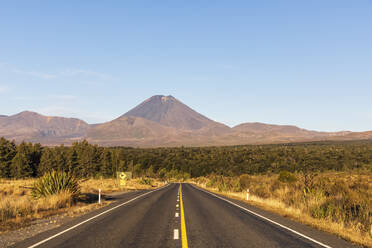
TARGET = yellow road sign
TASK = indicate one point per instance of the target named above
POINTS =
(123, 176)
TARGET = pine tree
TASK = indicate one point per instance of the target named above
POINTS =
(7, 152)
(95, 154)
(47, 162)
(61, 158)
(21, 166)
(73, 162)
(106, 163)
(150, 171)
(35, 157)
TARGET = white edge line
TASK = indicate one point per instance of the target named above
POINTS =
(85, 221)
(265, 218)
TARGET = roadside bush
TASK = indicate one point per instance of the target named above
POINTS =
(287, 177)
(201, 180)
(244, 181)
(53, 183)
(145, 181)
(212, 181)
(236, 186)
(222, 186)
(262, 191)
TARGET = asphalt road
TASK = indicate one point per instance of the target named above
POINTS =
(154, 219)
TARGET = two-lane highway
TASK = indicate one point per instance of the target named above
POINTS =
(187, 216)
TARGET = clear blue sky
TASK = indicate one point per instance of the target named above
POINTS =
(306, 63)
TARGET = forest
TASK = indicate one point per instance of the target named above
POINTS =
(84, 160)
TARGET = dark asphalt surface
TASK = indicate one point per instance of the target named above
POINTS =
(149, 221)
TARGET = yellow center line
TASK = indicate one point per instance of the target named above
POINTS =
(183, 223)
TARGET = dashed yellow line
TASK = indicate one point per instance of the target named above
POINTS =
(183, 223)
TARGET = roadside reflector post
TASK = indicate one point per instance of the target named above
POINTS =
(247, 194)
(99, 196)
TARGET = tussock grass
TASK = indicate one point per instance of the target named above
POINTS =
(113, 185)
(54, 183)
(336, 202)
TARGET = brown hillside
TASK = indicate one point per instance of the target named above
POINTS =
(30, 126)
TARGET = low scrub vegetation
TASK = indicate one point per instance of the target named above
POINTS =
(146, 181)
(337, 202)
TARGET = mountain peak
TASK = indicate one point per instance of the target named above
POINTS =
(28, 113)
(169, 111)
(161, 98)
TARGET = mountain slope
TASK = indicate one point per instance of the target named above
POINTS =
(256, 127)
(168, 111)
(260, 133)
(31, 126)
(130, 131)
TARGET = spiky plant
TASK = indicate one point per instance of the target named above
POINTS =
(54, 183)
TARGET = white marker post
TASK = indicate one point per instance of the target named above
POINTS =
(176, 234)
(247, 194)
(99, 196)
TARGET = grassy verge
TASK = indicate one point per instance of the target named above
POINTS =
(339, 203)
(18, 208)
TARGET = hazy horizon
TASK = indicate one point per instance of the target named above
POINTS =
(186, 104)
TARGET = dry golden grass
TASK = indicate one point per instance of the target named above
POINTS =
(113, 185)
(289, 200)
(18, 208)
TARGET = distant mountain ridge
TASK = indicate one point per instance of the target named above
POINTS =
(257, 127)
(158, 121)
(31, 126)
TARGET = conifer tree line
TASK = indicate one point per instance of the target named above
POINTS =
(85, 160)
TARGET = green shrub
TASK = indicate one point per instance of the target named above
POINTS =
(287, 177)
(244, 181)
(53, 183)
(236, 186)
(212, 181)
(262, 191)
(145, 181)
